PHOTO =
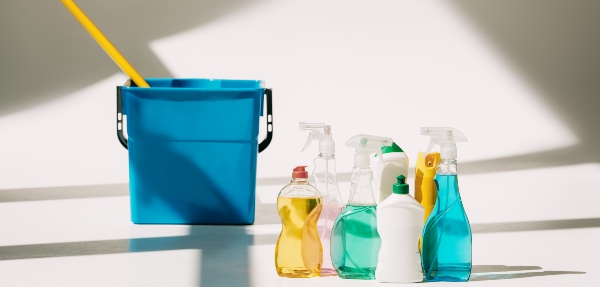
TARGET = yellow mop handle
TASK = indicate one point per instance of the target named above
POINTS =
(105, 44)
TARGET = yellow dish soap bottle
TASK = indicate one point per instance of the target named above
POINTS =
(298, 252)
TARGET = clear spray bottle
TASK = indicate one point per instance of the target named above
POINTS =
(325, 180)
(447, 240)
(355, 242)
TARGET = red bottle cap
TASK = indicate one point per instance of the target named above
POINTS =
(300, 172)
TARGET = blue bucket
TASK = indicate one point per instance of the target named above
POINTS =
(193, 145)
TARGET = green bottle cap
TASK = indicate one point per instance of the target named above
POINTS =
(393, 148)
(400, 187)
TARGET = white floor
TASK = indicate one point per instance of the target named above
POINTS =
(82, 236)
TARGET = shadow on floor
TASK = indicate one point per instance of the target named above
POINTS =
(479, 272)
(63, 192)
(535, 225)
(200, 237)
(216, 237)
(225, 249)
(267, 213)
(224, 259)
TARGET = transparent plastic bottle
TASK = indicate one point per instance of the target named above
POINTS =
(325, 181)
(355, 241)
(298, 252)
(447, 239)
(325, 177)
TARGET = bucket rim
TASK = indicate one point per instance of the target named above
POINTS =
(260, 84)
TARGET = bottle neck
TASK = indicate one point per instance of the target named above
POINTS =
(299, 181)
(325, 179)
(361, 159)
(446, 183)
(327, 155)
(447, 190)
(361, 192)
(447, 167)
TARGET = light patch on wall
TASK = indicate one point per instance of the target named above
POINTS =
(564, 192)
(384, 69)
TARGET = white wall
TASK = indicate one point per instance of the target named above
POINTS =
(499, 72)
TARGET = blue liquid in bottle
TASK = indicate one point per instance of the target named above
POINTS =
(355, 242)
(446, 252)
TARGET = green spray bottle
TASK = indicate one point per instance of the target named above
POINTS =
(355, 242)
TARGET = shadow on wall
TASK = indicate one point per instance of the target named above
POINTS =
(46, 53)
(555, 46)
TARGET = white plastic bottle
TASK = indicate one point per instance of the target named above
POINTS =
(395, 162)
(399, 224)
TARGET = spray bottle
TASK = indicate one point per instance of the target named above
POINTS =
(355, 242)
(446, 249)
(324, 174)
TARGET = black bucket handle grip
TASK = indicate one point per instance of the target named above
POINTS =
(261, 146)
(265, 143)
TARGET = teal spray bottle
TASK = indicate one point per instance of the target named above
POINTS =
(326, 182)
(446, 250)
(355, 242)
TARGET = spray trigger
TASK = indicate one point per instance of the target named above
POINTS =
(380, 156)
(313, 135)
(320, 132)
(429, 148)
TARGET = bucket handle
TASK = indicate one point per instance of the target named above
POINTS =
(261, 146)
(265, 143)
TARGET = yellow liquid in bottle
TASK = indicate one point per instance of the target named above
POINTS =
(298, 252)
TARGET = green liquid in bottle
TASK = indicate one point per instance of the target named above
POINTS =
(355, 242)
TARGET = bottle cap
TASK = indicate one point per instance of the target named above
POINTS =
(300, 172)
(400, 187)
(327, 146)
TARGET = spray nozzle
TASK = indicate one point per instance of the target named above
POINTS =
(446, 138)
(326, 143)
(365, 145)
